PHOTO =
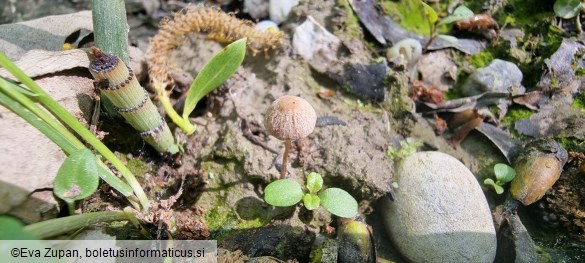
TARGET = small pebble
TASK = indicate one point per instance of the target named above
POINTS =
(267, 26)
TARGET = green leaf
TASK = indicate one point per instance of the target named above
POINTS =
(284, 192)
(567, 8)
(314, 182)
(499, 190)
(448, 38)
(411, 14)
(221, 66)
(489, 181)
(460, 13)
(430, 13)
(311, 201)
(504, 173)
(339, 202)
(77, 177)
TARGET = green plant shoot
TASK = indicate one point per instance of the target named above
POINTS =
(504, 174)
(314, 182)
(221, 66)
(287, 192)
(460, 13)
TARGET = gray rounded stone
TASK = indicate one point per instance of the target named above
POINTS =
(440, 213)
(498, 76)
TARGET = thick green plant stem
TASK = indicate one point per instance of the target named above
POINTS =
(63, 225)
(110, 28)
(120, 85)
(72, 123)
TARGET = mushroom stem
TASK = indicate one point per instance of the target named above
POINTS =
(287, 145)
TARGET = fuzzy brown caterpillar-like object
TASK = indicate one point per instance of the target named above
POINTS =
(215, 23)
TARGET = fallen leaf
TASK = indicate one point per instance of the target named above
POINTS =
(529, 100)
(464, 123)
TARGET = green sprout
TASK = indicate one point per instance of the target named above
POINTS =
(460, 13)
(504, 174)
(217, 70)
(407, 148)
(288, 192)
(419, 17)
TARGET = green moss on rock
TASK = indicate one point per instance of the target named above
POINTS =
(481, 59)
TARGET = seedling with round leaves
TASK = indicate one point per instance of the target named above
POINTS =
(288, 192)
(504, 174)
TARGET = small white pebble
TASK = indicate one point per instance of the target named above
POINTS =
(267, 25)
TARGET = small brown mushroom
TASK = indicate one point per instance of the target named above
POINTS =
(289, 118)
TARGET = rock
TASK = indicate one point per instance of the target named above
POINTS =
(279, 9)
(367, 82)
(498, 76)
(257, 9)
(437, 68)
(280, 241)
(440, 213)
(316, 45)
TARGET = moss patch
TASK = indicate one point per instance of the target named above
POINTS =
(516, 113)
(352, 22)
(579, 102)
(572, 144)
(138, 167)
(481, 59)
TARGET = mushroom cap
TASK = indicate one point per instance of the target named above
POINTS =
(290, 118)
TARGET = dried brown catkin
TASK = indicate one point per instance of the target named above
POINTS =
(202, 19)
